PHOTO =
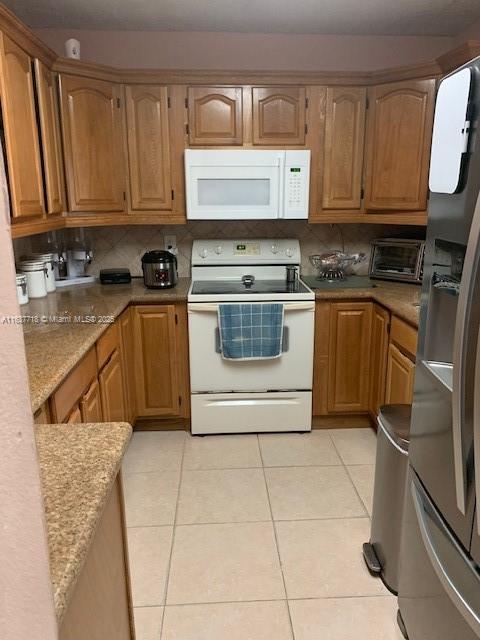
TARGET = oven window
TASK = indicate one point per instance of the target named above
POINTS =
(233, 192)
(395, 259)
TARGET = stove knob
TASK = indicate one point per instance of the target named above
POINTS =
(203, 253)
(289, 252)
(274, 248)
(219, 249)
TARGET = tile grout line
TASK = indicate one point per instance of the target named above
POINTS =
(167, 577)
(276, 539)
(366, 514)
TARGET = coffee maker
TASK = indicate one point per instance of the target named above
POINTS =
(72, 254)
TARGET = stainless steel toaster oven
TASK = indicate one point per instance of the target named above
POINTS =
(397, 259)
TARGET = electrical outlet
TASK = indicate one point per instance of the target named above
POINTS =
(170, 244)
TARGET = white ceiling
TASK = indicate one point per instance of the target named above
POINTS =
(368, 17)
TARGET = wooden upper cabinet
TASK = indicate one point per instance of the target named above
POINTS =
(21, 131)
(51, 138)
(279, 115)
(399, 133)
(156, 360)
(343, 156)
(215, 115)
(148, 147)
(349, 356)
(94, 153)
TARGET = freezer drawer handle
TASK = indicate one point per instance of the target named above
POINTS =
(462, 353)
(472, 583)
(285, 340)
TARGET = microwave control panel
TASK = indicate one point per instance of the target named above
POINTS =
(297, 180)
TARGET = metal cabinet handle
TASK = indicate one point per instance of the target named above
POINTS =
(460, 355)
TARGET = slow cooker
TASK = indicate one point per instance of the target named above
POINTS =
(159, 269)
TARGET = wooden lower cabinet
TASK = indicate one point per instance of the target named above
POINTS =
(400, 375)
(100, 606)
(111, 389)
(91, 404)
(128, 363)
(378, 357)
(75, 416)
(349, 356)
(156, 361)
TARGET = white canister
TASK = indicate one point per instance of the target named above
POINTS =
(49, 260)
(35, 270)
(22, 293)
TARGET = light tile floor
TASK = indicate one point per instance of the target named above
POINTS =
(251, 537)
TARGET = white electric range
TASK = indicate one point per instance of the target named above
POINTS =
(241, 396)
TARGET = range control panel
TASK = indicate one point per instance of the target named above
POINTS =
(232, 252)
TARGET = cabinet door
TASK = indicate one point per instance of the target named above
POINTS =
(320, 363)
(128, 362)
(398, 145)
(111, 389)
(91, 404)
(343, 157)
(148, 147)
(215, 115)
(94, 155)
(156, 366)
(400, 373)
(349, 356)
(378, 357)
(21, 132)
(75, 416)
(51, 142)
(279, 115)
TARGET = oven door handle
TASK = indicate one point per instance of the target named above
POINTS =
(285, 340)
(288, 306)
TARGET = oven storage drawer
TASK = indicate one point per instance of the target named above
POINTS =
(251, 412)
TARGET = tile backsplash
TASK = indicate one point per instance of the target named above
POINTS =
(124, 246)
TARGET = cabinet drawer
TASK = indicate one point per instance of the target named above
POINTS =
(404, 335)
(68, 393)
(107, 343)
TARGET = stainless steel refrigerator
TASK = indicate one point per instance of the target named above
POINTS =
(439, 590)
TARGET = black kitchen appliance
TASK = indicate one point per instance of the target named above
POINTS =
(159, 269)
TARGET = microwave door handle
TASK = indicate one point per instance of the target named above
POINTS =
(460, 356)
(281, 185)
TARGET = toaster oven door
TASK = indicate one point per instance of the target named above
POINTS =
(397, 261)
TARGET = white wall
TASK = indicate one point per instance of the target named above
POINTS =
(26, 600)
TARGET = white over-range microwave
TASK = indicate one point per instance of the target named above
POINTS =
(244, 184)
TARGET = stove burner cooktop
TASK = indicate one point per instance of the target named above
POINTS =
(225, 287)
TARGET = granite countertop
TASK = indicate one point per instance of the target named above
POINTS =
(78, 465)
(399, 298)
(54, 348)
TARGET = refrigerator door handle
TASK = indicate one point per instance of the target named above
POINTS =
(428, 520)
(460, 355)
(476, 427)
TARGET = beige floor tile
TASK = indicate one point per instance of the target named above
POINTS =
(148, 623)
(298, 493)
(345, 619)
(290, 449)
(154, 451)
(149, 554)
(222, 452)
(232, 621)
(223, 563)
(323, 558)
(151, 498)
(355, 446)
(226, 495)
(363, 477)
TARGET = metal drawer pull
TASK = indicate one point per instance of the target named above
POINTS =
(285, 340)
